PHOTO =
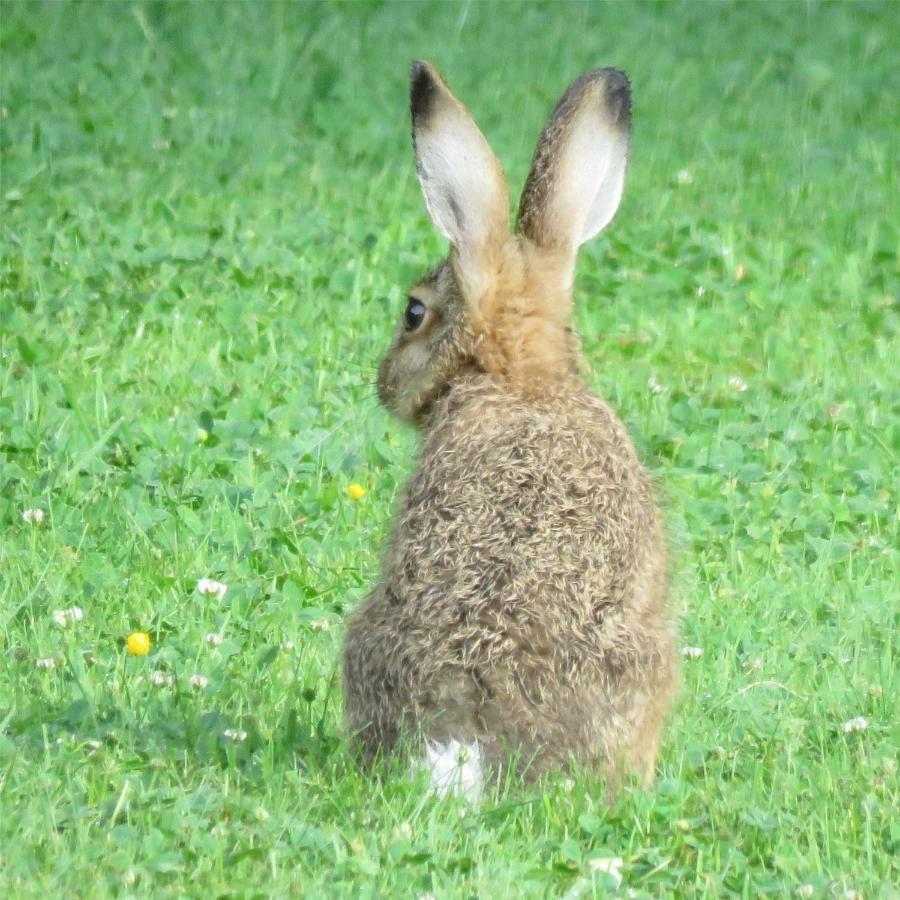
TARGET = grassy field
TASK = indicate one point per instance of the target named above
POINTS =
(208, 220)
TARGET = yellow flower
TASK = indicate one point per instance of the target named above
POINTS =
(356, 491)
(138, 643)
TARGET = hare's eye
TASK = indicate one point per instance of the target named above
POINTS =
(415, 312)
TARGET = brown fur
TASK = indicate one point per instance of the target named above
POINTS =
(522, 602)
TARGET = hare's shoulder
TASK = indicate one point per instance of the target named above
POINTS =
(567, 434)
(493, 456)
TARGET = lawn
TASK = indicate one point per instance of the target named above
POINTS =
(209, 217)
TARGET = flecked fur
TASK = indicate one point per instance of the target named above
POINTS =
(522, 603)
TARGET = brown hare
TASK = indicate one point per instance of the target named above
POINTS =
(522, 608)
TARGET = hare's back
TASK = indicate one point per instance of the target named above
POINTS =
(522, 509)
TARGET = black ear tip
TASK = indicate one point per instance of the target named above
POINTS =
(618, 95)
(422, 88)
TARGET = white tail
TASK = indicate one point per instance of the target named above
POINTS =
(454, 769)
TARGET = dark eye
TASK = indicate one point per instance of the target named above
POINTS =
(415, 312)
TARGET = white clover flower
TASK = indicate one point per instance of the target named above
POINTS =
(210, 586)
(692, 652)
(684, 176)
(161, 679)
(736, 383)
(238, 735)
(655, 386)
(320, 624)
(753, 665)
(64, 617)
(33, 516)
(198, 681)
(214, 640)
(805, 890)
(287, 646)
(611, 866)
(858, 724)
(48, 662)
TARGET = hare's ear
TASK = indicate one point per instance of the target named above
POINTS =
(578, 170)
(462, 182)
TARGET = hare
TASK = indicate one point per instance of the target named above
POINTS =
(522, 608)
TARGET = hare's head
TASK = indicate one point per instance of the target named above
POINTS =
(501, 303)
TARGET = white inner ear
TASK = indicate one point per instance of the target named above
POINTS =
(459, 179)
(590, 177)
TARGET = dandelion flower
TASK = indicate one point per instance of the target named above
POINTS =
(33, 516)
(209, 586)
(858, 724)
(198, 681)
(48, 662)
(214, 640)
(356, 491)
(692, 652)
(138, 643)
(238, 735)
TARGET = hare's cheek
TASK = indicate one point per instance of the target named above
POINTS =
(385, 383)
(393, 386)
(404, 378)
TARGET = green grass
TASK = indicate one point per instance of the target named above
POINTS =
(208, 219)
